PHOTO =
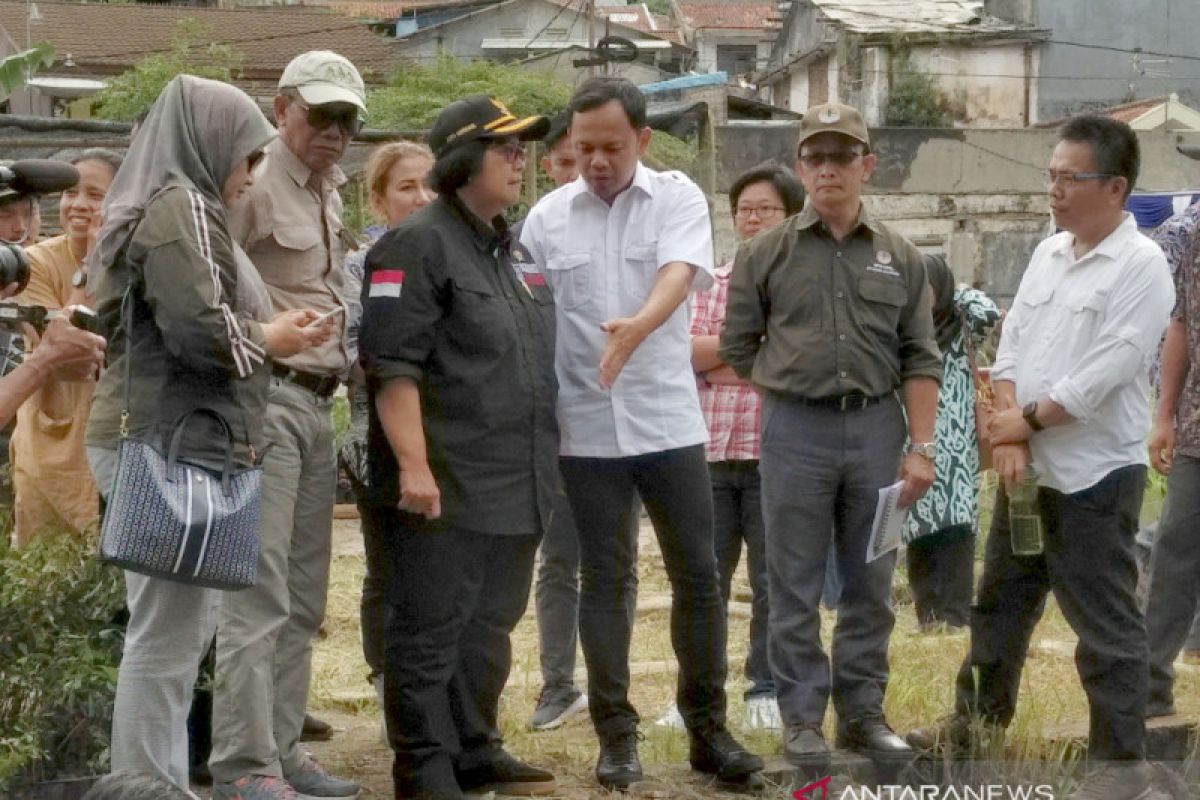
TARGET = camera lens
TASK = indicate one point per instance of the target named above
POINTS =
(14, 266)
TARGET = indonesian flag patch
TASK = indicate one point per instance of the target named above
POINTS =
(386, 283)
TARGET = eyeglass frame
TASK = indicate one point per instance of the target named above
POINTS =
(744, 213)
(1068, 179)
(512, 149)
(839, 158)
(317, 111)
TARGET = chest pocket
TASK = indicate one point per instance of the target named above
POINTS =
(881, 300)
(569, 276)
(642, 269)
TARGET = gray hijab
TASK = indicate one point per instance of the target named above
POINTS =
(196, 133)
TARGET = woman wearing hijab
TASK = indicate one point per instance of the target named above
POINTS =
(941, 525)
(197, 338)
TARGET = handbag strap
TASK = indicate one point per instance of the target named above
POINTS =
(177, 438)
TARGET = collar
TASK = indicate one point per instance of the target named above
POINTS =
(485, 238)
(296, 169)
(1110, 246)
(808, 218)
(641, 180)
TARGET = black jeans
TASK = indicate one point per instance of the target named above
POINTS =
(373, 608)
(674, 487)
(454, 597)
(1089, 564)
(737, 518)
(941, 573)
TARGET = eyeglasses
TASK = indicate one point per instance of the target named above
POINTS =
(513, 150)
(1069, 179)
(841, 158)
(762, 212)
(321, 117)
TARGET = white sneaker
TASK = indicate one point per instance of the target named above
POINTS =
(762, 714)
(672, 719)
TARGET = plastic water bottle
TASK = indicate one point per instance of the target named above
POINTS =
(1024, 521)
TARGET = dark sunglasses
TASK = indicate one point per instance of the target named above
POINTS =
(841, 158)
(321, 117)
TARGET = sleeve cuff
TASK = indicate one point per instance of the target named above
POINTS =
(1068, 395)
(934, 372)
(381, 371)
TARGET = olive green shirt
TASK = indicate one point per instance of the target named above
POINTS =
(812, 317)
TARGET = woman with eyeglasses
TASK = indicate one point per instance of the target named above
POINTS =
(458, 347)
(760, 198)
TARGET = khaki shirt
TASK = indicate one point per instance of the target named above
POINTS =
(811, 317)
(290, 224)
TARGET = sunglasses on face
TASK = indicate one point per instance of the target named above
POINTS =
(839, 158)
(344, 116)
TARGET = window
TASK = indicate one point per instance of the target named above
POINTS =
(736, 59)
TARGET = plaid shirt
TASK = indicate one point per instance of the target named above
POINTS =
(731, 412)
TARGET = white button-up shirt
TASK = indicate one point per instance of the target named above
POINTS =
(1084, 332)
(601, 263)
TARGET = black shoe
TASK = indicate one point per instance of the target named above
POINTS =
(619, 767)
(956, 734)
(507, 775)
(315, 730)
(718, 753)
(805, 746)
(200, 775)
(872, 736)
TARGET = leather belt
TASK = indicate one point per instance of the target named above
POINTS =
(842, 402)
(322, 386)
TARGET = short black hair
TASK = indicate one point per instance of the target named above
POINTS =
(453, 170)
(1115, 149)
(785, 182)
(560, 126)
(595, 92)
(134, 786)
(102, 154)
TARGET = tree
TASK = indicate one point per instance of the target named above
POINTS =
(16, 69)
(914, 101)
(130, 94)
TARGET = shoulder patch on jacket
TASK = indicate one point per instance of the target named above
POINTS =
(386, 283)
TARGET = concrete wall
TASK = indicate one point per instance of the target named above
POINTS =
(975, 195)
(1076, 78)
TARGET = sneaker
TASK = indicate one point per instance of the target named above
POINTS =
(254, 787)
(556, 707)
(507, 775)
(619, 767)
(762, 714)
(672, 720)
(313, 781)
(1115, 780)
(315, 730)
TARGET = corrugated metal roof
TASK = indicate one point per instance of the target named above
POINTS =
(911, 16)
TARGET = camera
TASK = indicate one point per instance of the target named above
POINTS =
(14, 266)
(14, 315)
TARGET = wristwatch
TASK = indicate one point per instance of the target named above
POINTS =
(1029, 412)
(924, 449)
(79, 279)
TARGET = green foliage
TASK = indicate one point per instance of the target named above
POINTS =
(659, 6)
(414, 95)
(132, 93)
(914, 101)
(59, 651)
(16, 69)
(667, 152)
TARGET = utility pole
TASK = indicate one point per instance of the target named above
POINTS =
(591, 12)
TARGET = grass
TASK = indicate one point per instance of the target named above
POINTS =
(921, 689)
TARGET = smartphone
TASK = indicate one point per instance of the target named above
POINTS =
(327, 315)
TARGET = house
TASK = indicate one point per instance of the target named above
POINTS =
(1103, 52)
(1152, 114)
(518, 30)
(95, 41)
(730, 37)
(851, 51)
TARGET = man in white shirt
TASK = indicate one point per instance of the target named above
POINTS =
(1072, 393)
(621, 248)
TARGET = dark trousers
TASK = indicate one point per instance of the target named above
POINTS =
(1174, 578)
(822, 470)
(737, 519)
(941, 573)
(1089, 564)
(674, 487)
(373, 607)
(454, 597)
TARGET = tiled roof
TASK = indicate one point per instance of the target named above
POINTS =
(637, 17)
(386, 9)
(911, 16)
(112, 37)
(750, 16)
(1125, 112)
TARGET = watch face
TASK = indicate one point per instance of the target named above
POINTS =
(79, 278)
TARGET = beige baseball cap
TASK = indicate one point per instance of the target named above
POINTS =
(322, 76)
(834, 118)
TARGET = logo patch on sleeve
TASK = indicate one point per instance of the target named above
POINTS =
(386, 283)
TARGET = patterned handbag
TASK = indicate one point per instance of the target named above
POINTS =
(174, 520)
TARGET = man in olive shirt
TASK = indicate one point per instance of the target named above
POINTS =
(290, 226)
(829, 314)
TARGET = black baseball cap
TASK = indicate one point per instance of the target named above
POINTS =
(481, 117)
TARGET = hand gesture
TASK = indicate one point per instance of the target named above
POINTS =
(291, 332)
(419, 493)
(624, 336)
(71, 354)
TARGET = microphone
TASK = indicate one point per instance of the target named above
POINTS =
(36, 176)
